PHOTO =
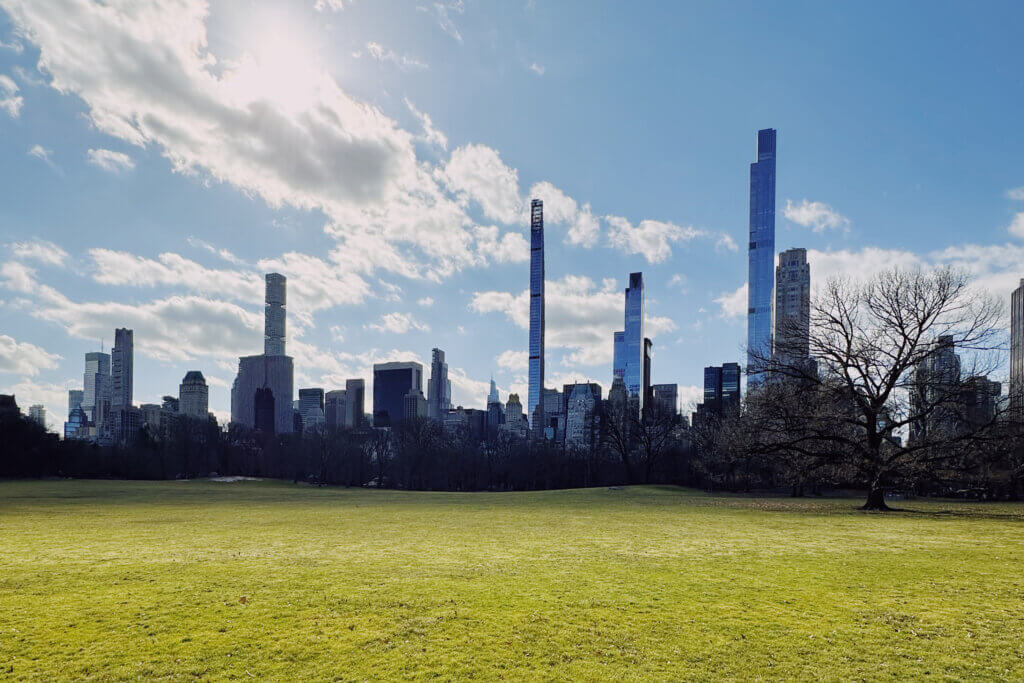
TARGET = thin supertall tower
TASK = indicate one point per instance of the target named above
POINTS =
(633, 339)
(761, 275)
(122, 369)
(1017, 352)
(274, 315)
(536, 371)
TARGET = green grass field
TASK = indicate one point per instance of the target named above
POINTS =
(178, 580)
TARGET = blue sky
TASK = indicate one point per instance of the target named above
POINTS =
(159, 158)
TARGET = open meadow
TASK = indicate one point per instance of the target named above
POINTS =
(186, 579)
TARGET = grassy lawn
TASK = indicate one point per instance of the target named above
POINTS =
(233, 580)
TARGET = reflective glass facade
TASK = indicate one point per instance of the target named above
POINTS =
(761, 275)
(633, 338)
(536, 370)
(619, 355)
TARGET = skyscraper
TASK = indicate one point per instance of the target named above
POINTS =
(492, 396)
(792, 307)
(122, 369)
(648, 350)
(1017, 351)
(355, 400)
(536, 367)
(96, 386)
(37, 414)
(391, 383)
(760, 277)
(194, 395)
(75, 398)
(439, 388)
(335, 408)
(274, 315)
(261, 397)
(666, 396)
(633, 339)
(618, 355)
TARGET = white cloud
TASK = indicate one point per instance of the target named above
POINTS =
(41, 251)
(1016, 227)
(222, 253)
(734, 304)
(512, 247)
(689, 396)
(477, 172)
(426, 302)
(51, 395)
(13, 46)
(538, 69)
(513, 360)
(815, 215)
(397, 323)
(110, 160)
(650, 238)
(444, 19)
(726, 243)
(388, 56)
(10, 100)
(579, 316)
(333, 5)
(1016, 193)
(120, 268)
(23, 358)
(561, 209)
(431, 135)
(40, 152)
(678, 280)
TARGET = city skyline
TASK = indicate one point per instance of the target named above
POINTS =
(95, 237)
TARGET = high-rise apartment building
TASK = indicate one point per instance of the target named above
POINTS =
(666, 397)
(492, 395)
(96, 386)
(760, 278)
(1017, 352)
(439, 387)
(721, 393)
(274, 312)
(334, 408)
(37, 414)
(648, 353)
(122, 369)
(791, 343)
(536, 353)
(391, 383)
(633, 339)
(261, 396)
(355, 403)
(194, 395)
(581, 404)
(75, 398)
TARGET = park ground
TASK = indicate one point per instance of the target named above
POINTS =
(179, 580)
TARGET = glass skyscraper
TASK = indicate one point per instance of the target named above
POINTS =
(761, 276)
(633, 339)
(536, 306)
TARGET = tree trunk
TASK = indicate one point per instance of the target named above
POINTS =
(876, 499)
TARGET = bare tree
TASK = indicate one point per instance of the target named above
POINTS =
(887, 385)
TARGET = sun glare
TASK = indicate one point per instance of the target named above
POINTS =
(279, 63)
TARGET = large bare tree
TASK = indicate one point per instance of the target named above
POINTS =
(897, 362)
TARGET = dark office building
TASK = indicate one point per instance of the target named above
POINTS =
(391, 383)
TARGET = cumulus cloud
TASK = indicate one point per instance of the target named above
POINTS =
(10, 100)
(41, 153)
(815, 215)
(580, 316)
(1016, 193)
(426, 302)
(511, 247)
(397, 323)
(513, 360)
(40, 250)
(734, 304)
(561, 209)
(23, 358)
(538, 69)
(477, 173)
(110, 160)
(649, 238)
(1016, 227)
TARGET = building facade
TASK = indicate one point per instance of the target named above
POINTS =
(75, 398)
(355, 403)
(37, 413)
(1017, 352)
(618, 355)
(194, 395)
(96, 387)
(335, 406)
(536, 352)
(581, 404)
(261, 396)
(122, 369)
(633, 372)
(391, 383)
(760, 277)
(439, 388)
(666, 397)
(791, 340)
